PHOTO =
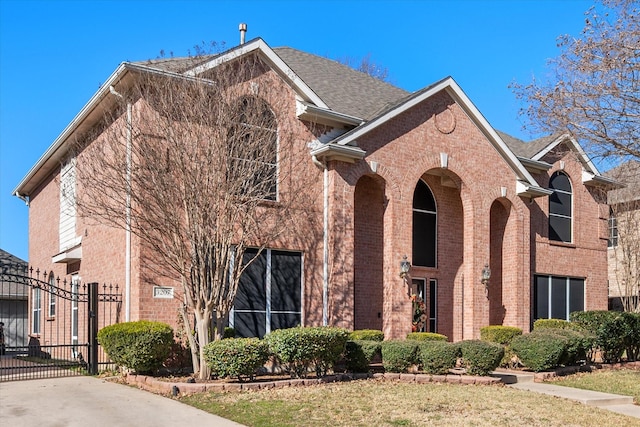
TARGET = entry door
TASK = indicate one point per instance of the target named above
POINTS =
(419, 307)
(425, 301)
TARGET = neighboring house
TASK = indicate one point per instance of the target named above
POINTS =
(14, 306)
(624, 238)
(419, 174)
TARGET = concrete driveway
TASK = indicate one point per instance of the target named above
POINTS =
(83, 401)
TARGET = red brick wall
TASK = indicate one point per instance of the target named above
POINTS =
(586, 256)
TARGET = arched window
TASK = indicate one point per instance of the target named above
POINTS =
(424, 226)
(560, 208)
(253, 150)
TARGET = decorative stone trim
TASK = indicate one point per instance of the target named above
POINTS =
(164, 387)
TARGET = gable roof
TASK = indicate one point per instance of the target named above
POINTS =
(341, 87)
(525, 184)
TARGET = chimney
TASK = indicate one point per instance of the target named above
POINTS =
(243, 31)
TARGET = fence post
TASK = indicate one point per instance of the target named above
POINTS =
(93, 328)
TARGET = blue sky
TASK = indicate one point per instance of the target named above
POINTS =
(55, 54)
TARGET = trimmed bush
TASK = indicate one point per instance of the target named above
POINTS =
(141, 346)
(426, 336)
(359, 353)
(236, 358)
(540, 351)
(299, 349)
(499, 334)
(616, 332)
(437, 357)
(502, 335)
(399, 356)
(579, 344)
(480, 357)
(366, 335)
(551, 324)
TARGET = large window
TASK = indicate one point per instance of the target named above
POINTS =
(560, 208)
(424, 226)
(67, 226)
(269, 294)
(613, 230)
(556, 297)
(253, 150)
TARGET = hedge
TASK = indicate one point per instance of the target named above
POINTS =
(399, 356)
(426, 336)
(480, 357)
(615, 332)
(437, 357)
(366, 335)
(359, 353)
(299, 349)
(540, 351)
(552, 324)
(499, 334)
(236, 358)
(141, 346)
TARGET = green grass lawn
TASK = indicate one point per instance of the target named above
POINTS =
(386, 403)
(618, 381)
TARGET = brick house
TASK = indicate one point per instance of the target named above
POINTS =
(624, 237)
(421, 175)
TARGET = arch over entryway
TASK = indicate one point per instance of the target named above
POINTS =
(369, 207)
(503, 261)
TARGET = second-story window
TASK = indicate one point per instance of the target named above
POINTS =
(560, 208)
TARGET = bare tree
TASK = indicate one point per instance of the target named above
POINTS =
(594, 84)
(367, 66)
(624, 241)
(203, 165)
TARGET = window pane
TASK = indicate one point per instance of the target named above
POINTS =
(560, 181)
(251, 293)
(576, 295)
(249, 325)
(560, 204)
(285, 281)
(423, 198)
(424, 239)
(559, 229)
(541, 297)
(285, 320)
(559, 298)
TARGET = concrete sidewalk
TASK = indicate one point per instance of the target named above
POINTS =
(612, 402)
(81, 401)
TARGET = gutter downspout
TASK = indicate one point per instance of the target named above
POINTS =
(325, 239)
(127, 254)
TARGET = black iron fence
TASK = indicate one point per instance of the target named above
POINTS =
(49, 325)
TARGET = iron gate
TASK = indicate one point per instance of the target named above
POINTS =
(50, 325)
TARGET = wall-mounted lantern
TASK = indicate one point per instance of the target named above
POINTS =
(486, 275)
(405, 265)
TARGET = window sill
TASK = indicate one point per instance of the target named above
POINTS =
(562, 244)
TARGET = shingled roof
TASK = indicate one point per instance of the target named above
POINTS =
(526, 149)
(342, 88)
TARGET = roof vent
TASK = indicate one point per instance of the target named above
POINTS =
(243, 31)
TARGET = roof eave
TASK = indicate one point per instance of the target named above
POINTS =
(524, 189)
(343, 153)
(53, 155)
(315, 114)
(535, 165)
(600, 181)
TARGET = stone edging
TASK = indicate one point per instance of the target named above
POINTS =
(569, 370)
(163, 387)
